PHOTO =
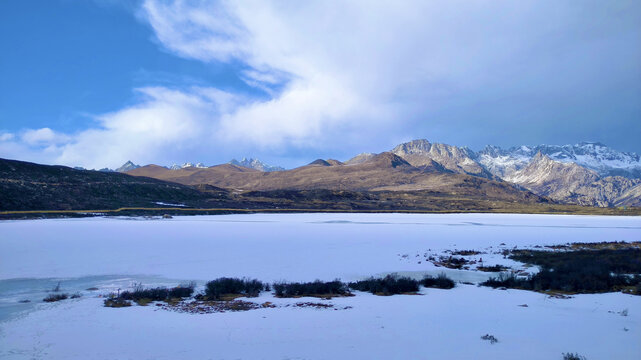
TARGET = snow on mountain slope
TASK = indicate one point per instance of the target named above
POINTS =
(572, 183)
(360, 158)
(255, 164)
(187, 165)
(595, 156)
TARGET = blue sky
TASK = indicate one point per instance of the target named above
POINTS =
(96, 83)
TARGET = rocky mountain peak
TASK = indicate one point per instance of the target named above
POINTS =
(388, 159)
(360, 158)
(419, 146)
(420, 153)
(127, 166)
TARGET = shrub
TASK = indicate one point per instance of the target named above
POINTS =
(466, 252)
(490, 338)
(157, 294)
(505, 280)
(452, 262)
(493, 268)
(55, 297)
(117, 302)
(154, 294)
(439, 282)
(182, 291)
(572, 356)
(580, 271)
(316, 288)
(215, 289)
(389, 285)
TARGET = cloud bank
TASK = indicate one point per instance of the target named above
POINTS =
(340, 77)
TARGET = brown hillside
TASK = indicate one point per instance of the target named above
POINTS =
(385, 171)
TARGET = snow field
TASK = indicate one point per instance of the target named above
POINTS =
(303, 247)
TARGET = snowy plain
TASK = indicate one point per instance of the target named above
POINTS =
(110, 253)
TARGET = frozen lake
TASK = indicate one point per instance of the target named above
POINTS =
(277, 246)
(111, 253)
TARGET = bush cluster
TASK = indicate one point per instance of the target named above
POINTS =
(491, 338)
(389, 285)
(215, 289)
(582, 271)
(117, 302)
(504, 280)
(572, 356)
(55, 297)
(316, 288)
(493, 268)
(453, 262)
(157, 294)
(439, 282)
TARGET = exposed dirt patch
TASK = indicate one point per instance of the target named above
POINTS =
(210, 307)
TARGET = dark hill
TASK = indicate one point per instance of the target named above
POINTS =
(29, 186)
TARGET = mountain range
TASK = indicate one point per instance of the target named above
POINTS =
(590, 174)
(255, 164)
(413, 176)
(591, 155)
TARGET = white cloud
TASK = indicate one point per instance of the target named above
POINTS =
(206, 31)
(165, 121)
(43, 137)
(351, 76)
(6, 136)
(385, 68)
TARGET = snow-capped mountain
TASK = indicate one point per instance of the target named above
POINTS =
(595, 156)
(585, 173)
(127, 166)
(255, 164)
(187, 165)
(569, 182)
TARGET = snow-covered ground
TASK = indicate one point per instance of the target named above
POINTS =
(111, 253)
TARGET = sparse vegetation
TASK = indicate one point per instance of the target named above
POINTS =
(493, 268)
(224, 287)
(316, 289)
(490, 338)
(451, 262)
(143, 296)
(55, 297)
(619, 260)
(579, 271)
(389, 285)
(573, 356)
(504, 280)
(439, 282)
(116, 302)
(466, 252)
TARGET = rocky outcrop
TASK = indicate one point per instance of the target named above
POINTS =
(458, 160)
